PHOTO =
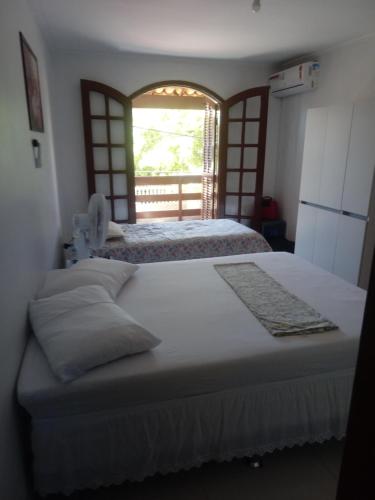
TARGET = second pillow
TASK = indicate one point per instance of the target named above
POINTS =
(110, 274)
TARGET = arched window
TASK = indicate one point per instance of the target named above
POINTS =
(231, 180)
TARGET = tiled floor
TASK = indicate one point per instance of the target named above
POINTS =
(307, 473)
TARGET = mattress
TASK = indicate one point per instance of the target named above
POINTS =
(210, 340)
(184, 240)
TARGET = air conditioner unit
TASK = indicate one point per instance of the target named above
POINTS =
(295, 80)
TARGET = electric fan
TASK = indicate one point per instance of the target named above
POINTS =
(90, 230)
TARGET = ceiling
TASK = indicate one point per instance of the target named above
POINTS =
(223, 29)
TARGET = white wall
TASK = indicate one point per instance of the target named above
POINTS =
(347, 74)
(129, 73)
(29, 222)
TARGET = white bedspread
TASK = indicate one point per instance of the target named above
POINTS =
(210, 340)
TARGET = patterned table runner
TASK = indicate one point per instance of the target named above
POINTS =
(279, 311)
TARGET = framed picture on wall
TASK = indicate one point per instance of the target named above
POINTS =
(32, 85)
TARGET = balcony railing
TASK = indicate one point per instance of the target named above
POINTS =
(176, 197)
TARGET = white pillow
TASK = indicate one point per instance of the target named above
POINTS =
(114, 230)
(84, 328)
(109, 273)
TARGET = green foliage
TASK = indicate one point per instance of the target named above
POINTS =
(168, 141)
(197, 149)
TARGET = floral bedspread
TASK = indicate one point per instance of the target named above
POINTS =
(183, 240)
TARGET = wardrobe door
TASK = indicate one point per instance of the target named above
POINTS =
(325, 238)
(350, 237)
(335, 156)
(313, 153)
(361, 159)
(305, 236)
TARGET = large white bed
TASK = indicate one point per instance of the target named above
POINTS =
(218, 386)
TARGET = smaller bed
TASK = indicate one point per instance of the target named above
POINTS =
(184, 240)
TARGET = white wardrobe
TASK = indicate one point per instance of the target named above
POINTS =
(333, 224)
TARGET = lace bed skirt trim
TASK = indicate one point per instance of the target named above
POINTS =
(89, 451)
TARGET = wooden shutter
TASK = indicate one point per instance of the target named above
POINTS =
(209, 161)
(107, 119)
(242, 151)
